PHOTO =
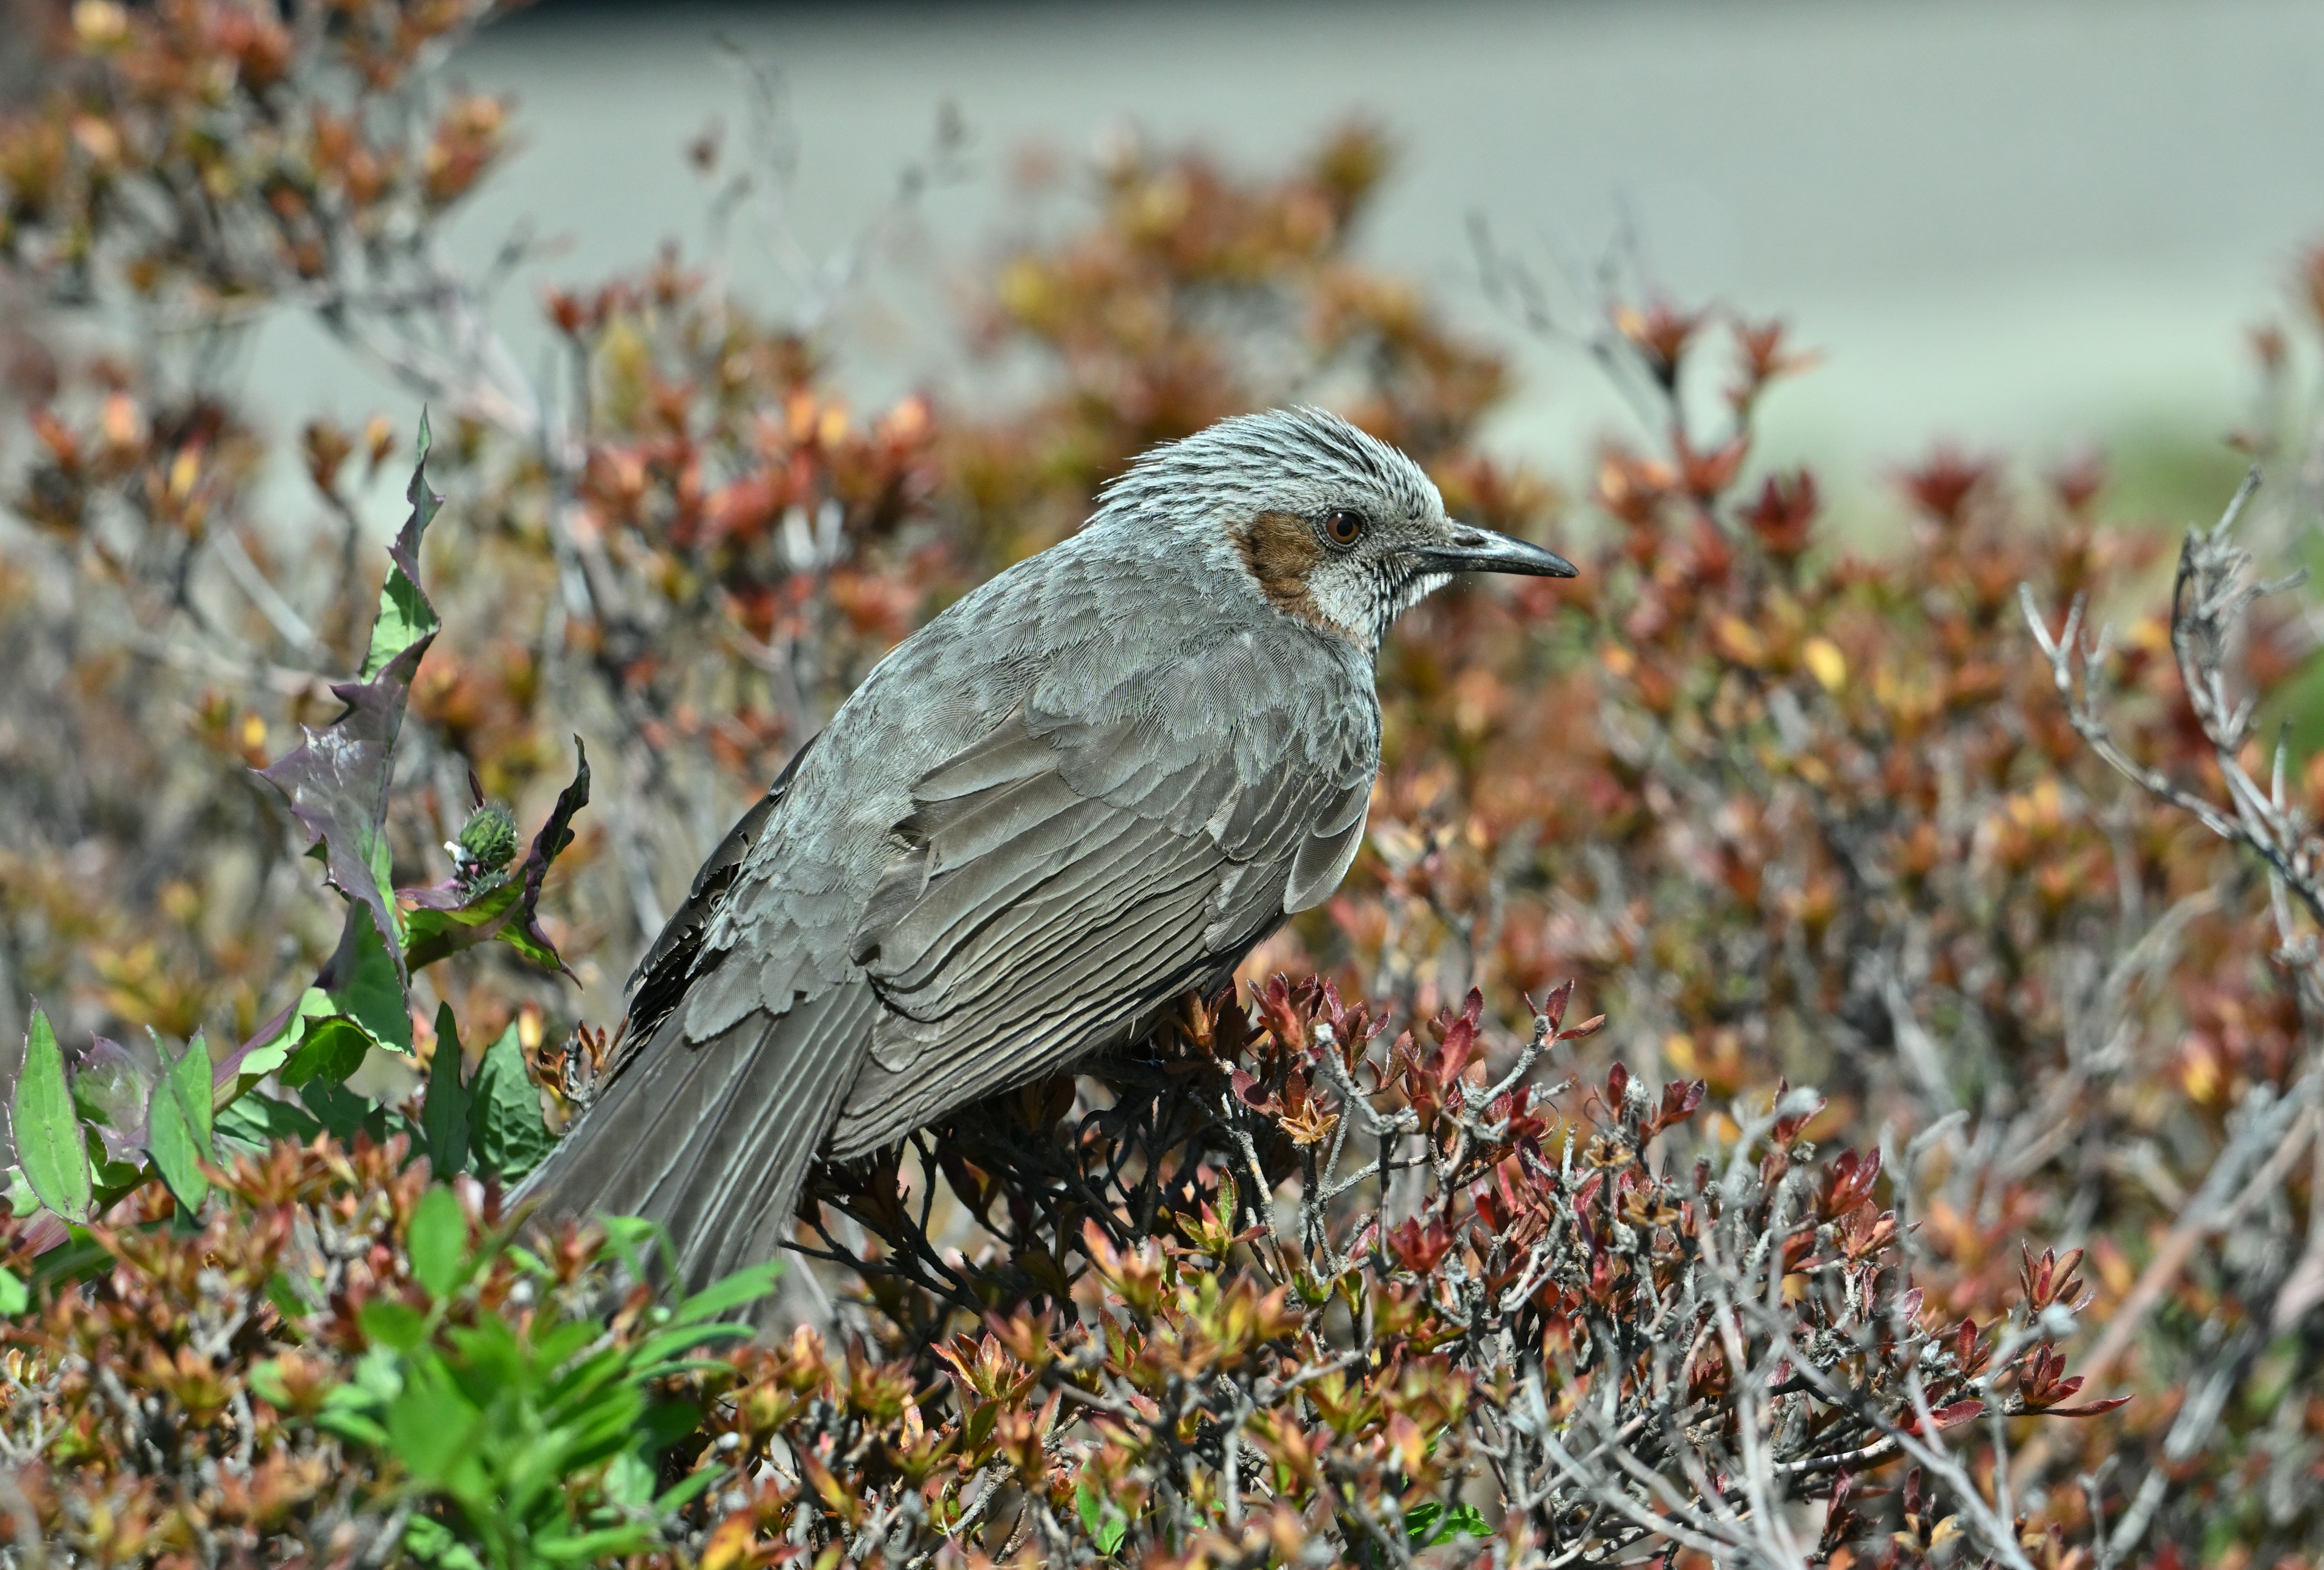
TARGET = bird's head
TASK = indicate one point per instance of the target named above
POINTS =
(1333, 526)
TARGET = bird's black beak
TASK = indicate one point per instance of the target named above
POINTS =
(1474, 550)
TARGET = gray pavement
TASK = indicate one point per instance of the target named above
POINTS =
(2019, 224)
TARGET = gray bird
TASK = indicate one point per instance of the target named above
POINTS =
(1086, 789)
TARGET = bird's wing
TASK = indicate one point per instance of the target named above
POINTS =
(1067, 878)
(659, 982)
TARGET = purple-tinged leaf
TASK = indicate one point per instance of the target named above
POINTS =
(111, 1084)
(336, 780)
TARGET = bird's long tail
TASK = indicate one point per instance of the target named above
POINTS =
(712, 1139)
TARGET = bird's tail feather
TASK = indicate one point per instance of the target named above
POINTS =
(712, 1139)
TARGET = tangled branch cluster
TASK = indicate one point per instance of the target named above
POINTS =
(1600, 1346)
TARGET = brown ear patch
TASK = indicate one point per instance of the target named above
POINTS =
(1281, 551)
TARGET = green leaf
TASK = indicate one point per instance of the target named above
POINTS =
(628, 1483)
(509, 1137)
(431, 1542)
(113, 1178)
(48, 1134)
(391, 1323)
(15, 1296)
(597, 1547)
(433, 1429)
(1467, 1521)
(722, 1297)
(333, 1049)
(443, 1116)
(1431, 1524)
(343, 1112)
(654, 1354)
(257, 1120)
(364, 982)
(1105, 1524)
(664, 1424)
(289, 1300)
(81, 1258)
(272, 1047)
(686, 1490)
(352, 1425)
(438, 1242)
(405, 616)
(177, 1125)
(637, 1242)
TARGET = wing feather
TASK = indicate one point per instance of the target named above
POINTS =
(749, 1156)
(660, 981)
(1063, 877)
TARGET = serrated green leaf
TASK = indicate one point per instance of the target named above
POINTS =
(1105, 1524)
(405, 616)
(48, 1139)
(177, 1125)
(443, 1116)
(15, 1296)
(438, 1242)
(289, 1299)
(366, 985)
(509, 1137)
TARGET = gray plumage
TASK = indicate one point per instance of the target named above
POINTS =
(1087, 787)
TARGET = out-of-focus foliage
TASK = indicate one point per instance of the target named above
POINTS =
(1302, 1280)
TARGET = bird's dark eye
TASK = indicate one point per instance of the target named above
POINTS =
(1345, 528)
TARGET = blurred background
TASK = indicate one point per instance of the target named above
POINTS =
(2020, 227)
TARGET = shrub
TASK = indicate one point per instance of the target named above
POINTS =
(1373, 1260)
